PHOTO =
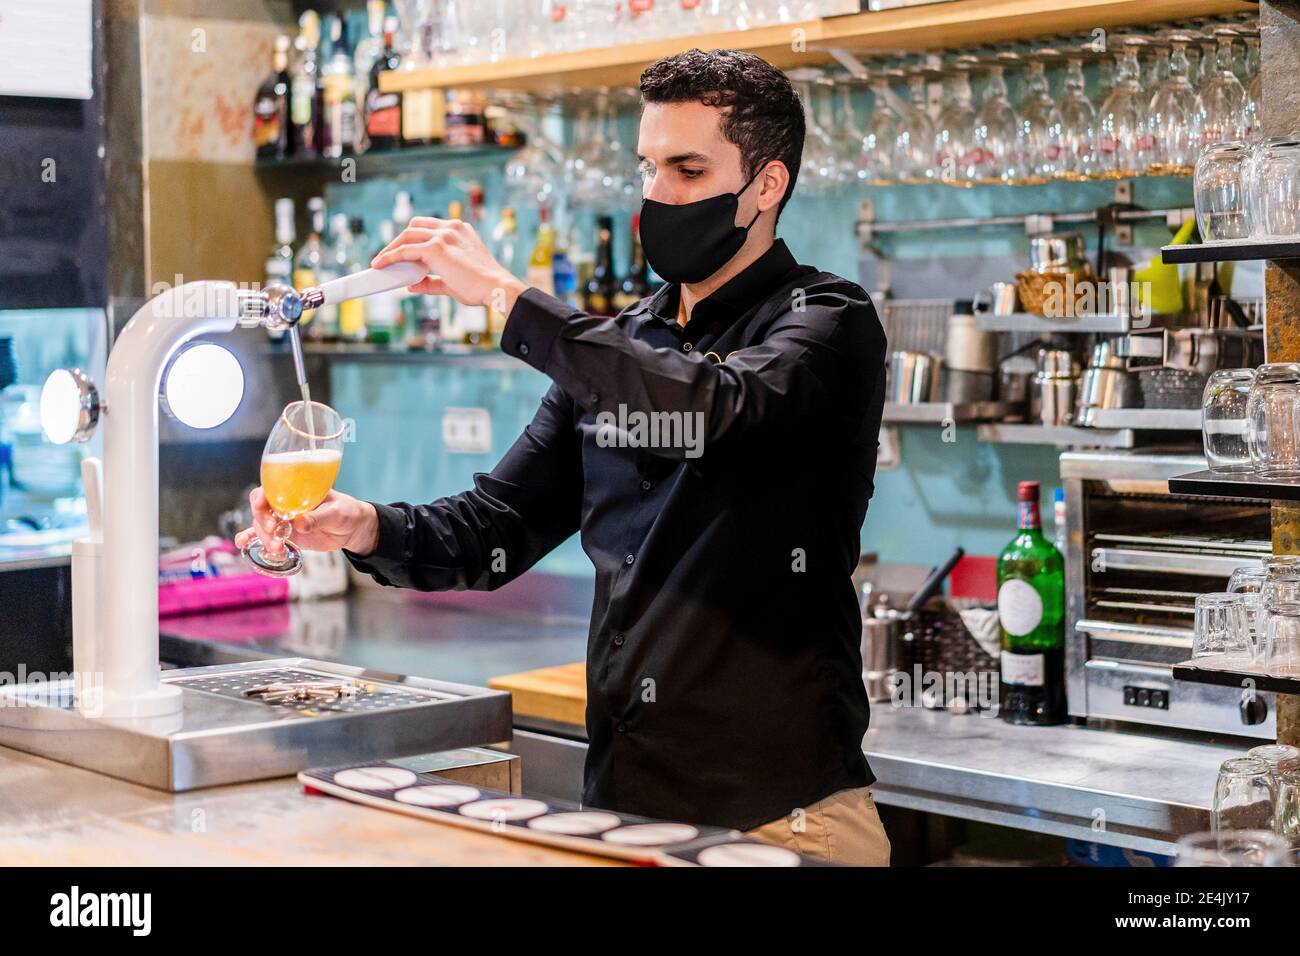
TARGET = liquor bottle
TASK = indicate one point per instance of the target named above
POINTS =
(338, 95)
(307, 263)
(333, 265)
(353, 257)
(367, 50)
(504, 237)
(466, 125)
(279, 264)
(541, 264)
(636, 284)
(599, 291)
(1031, 612)
(473, 319)
(383, 111)
(451, 335)
(384, 311)
(304, 112)
(271, 136)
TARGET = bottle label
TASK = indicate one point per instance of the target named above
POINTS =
(1020, 607)
(1029, 516)
(1023, 670)
(266, 122)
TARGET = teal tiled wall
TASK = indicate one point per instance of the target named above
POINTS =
(943, 495)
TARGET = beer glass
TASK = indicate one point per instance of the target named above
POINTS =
(299, 464)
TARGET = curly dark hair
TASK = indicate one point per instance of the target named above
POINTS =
(762, 114)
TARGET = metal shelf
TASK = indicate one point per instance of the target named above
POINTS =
(387, 162)
(1214, 485)
(1029, 322)
(937, 413)
(1229, 250)
(1203, 671)
(1150, 419)
(1059, 435)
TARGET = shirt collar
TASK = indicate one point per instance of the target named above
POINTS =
(741, 292)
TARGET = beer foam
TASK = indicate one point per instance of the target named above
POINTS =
(312, 456)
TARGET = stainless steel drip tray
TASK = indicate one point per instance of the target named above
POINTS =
(256, 720)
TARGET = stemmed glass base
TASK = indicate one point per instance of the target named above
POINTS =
(283, 566)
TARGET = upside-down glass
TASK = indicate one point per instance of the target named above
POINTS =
(1223, 419)
(954, 129)
(914, 143)
(1040, 119)
(1223, 98)
(1281, 654)
(1274, 187)
(998, 136)
(1271, 410)
(299, 464)
(820, 172)
(1245, 796)
(1079, 158)
(876, 148)
(1221, 629)
(1173, 116)
(1233, 848)
(1281, 758)
(848, 134)
(1249, 583)
(1220, 191)
(1252, 120)
(1286, 817)
(1122, 133)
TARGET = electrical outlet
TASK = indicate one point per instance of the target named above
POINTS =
(467, 431)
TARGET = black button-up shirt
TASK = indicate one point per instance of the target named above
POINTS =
(719, 474)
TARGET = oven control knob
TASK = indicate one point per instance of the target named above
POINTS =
(1254, 709)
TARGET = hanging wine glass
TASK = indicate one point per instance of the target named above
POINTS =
(1223, 98)
(824, 107)
(819, 170)
(1040, 117)
(955, 127)
(876, 147)
(914, 139)
(1251, 112)
(847, 133)
(1077, 118)
(1174, 116)
(1122, 118)
(998, 134)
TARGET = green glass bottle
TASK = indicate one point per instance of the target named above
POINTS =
(1031, 611)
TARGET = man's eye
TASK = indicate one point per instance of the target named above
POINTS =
(692, 173)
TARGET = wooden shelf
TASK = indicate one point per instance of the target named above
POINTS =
(954, 25)
(1233, 250)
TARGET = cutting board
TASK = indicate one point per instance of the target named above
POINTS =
(549, 693)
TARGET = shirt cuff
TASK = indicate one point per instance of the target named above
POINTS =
(392, 551)
(533, 326)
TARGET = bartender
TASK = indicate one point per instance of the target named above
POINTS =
(715, 447)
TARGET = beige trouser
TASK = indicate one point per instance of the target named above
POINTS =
(844, 828)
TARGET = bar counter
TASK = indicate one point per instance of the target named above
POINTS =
(1103, 783)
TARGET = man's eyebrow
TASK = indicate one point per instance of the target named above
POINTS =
(679, 159)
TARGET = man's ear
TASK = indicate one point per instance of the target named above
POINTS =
(775, 179)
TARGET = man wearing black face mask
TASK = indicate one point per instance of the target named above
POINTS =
(715, 445)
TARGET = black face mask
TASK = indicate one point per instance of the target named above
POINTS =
(692, 241)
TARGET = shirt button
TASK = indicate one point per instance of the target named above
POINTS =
(622, 728)
(618, 640)
(687, 346)
(523, 348)
(594, 398)
(645, 486)
(629, 559)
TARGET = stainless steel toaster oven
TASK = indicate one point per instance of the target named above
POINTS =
(1136, 557)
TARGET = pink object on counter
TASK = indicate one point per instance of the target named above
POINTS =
(206, 594)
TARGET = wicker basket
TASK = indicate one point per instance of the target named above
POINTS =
(1032, 287)
(937, 640)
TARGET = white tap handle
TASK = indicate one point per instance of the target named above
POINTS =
(92, 480)
(372, 282)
